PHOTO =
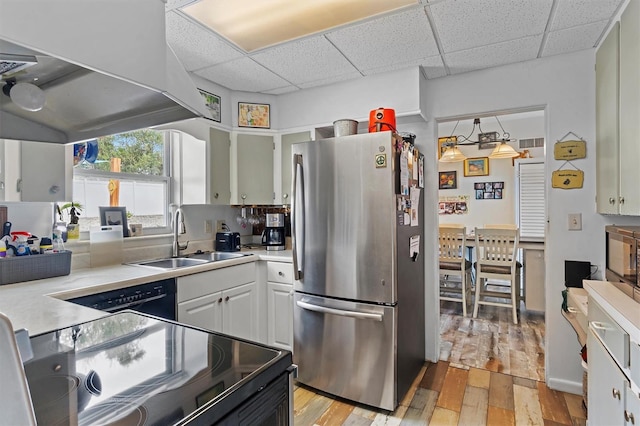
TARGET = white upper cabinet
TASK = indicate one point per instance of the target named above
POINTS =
(200, 169)
(286, 162)
(617, 112)
(252, 169)
(35, 171)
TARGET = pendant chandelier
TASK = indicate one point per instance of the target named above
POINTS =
(452, 153)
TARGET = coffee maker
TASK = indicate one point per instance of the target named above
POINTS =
(273, 237)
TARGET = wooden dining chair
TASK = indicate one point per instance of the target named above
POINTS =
(452, 263)
(496, 251)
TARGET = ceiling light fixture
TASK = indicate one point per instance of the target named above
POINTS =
(25, 95)
(453, 154)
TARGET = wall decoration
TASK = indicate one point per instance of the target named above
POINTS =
(448, 180)
(453, 205)
(441, 144)
(570, 150)
(114, 216)
(487, 140)
(254, 115)
(478, 166)
(567, 179)
(488, 190)
(212, 102)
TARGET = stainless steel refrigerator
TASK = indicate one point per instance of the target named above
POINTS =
(359, 289)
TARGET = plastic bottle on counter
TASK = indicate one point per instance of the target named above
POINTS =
(58, 244)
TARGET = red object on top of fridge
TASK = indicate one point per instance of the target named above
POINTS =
(382, 119)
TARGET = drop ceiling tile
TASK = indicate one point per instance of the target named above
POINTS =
(305, 60)
(243, 74)
(573, 39)
(494, 55)
(571, 13)
(196, 47)
(465, 24)
(174, 4)
(433, 67)
(281, 90)
(335, 79)
(400, 37)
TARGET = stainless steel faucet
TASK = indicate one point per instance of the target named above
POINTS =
(178, 221)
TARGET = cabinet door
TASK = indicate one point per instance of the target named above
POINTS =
(280, 315)
(219, 172)
(254, 170)
(240, 311)
(629, 110)
(286, 162)
(204, 312)
(9, 170)
(632, 407)
(606, 386)
(193, 168)
(607, 149)
(46, 171)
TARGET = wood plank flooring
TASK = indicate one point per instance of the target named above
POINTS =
(490, 372)
(450, 394)
(492, 342)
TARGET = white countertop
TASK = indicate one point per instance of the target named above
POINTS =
(622, 308)
(39, 305)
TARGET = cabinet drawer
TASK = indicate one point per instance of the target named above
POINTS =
(280, 272)
(203, 283)
(612, 335)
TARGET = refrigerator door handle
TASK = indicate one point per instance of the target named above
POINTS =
(340, 312)
(295, 205)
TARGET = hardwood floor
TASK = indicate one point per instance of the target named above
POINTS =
(448, 394)
(490, 372)
(492, 341)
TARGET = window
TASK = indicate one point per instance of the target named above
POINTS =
(531, 200)
(129, 169)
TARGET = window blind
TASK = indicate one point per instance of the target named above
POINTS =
(531, 200)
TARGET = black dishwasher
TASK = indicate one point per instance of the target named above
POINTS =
(157, 298)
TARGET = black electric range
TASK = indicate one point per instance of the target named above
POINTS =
(134, 369)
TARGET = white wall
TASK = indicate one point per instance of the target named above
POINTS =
(565, 86)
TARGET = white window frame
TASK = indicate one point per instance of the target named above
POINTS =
(164, 178)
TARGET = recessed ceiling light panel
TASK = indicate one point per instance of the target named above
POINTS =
(255, 25)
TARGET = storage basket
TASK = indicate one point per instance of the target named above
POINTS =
(34, 267)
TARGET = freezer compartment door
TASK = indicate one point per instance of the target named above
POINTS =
(346, 349)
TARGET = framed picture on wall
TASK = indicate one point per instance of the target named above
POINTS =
(478, 166)
(212, 102)
(448, 180)
(254, 115)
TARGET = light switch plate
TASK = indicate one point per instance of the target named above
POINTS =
(575, 221)
(207, 226)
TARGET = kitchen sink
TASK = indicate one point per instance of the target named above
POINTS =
(216, 256)
(189, 260)
(171, 263)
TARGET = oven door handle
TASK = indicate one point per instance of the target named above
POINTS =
(136, 303)
(340, 312)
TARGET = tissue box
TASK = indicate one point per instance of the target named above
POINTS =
(35, 267)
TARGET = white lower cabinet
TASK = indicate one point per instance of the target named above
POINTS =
(611, 400)
(280, 305)
(223, 300)
(606, 386)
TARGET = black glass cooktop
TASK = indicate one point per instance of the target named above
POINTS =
(134, 369)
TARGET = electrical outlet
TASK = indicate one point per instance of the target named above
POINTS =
(207, 226)
(575, 221)
(220, 225)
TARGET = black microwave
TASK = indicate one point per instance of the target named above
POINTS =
(622, 257)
